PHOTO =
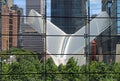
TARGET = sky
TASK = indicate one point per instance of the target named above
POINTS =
(48, 7)
(21, 4)
(95, 6)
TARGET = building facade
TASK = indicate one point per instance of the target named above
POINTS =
(31, 4)
(31, 39)
(111, 36)
(68, 15)
(10, 27)
(2, 2)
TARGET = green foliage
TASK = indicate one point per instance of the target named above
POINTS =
(28, 67)
(51, 69)
(97, 70)
(73, 70)
(107, 79)
(104, 72)
(72, 63)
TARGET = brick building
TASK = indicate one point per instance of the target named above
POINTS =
(10, 27)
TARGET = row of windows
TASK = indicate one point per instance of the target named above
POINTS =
(10, 28)
(118, 15)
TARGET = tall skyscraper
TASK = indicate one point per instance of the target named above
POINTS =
(33, 4)
(111, 36)
(68, 15)
(31, 39)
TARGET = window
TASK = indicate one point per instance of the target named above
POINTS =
(118, 23)
(10, 33)
(10, 15)
(0, 13)
(10, 27)
(10, 41)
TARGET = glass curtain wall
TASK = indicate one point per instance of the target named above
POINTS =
(59, 40)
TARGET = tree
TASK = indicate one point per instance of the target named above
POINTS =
(26, 68)
(73, 70)
(51, 70)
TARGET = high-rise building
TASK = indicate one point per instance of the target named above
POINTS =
(8, 3)
(10, 27)
(31, 39)
(111, 36)
(33, 4)
(68, 15)
(2, 2)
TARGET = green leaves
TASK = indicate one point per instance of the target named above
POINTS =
(28, 67)
(25, 68)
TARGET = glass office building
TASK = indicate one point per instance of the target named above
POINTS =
(68, 15)
(111, 36)
(31, 4)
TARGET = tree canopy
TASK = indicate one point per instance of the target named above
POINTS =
(27, 66)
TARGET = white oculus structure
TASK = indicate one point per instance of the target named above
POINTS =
(66, 45)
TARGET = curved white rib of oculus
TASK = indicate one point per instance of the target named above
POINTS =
(66, 45)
